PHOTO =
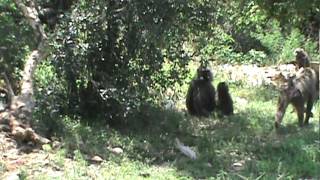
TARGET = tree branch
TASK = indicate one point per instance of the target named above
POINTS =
(8, 84)
(32, 16)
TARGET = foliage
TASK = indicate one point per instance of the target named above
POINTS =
(295, 39)
(292, 13)
(16, 40)
(296, 18)
(272, 38)
(121, 54)
(50, 94)
(118, 63)
(112, 57)
(281, 46)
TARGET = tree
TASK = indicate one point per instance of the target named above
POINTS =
(117, 55)
(295, 13)
(21, 106)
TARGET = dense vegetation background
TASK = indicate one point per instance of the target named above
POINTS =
(116, 64)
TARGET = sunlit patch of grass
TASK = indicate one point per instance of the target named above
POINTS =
(128, 169)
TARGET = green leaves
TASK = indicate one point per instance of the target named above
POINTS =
(116, 55)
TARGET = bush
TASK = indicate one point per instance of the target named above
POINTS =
(281, 45)
(50, 97)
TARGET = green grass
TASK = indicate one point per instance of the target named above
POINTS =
(248, 138)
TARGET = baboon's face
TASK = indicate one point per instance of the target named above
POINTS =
(204, 74)
(299, 52)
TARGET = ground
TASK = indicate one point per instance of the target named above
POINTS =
(243, 146)
(13, 157)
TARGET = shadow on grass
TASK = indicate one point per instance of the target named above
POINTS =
(243, 145)
(248, 138)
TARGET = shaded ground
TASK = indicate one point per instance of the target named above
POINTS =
(241, 146)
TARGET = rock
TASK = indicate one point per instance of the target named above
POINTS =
(145, 175)
(237, 166)
(12, 176)
(5, 128)
(209, 164)
(56, 144)
(96, 159)
(4, 117)
(116, 150)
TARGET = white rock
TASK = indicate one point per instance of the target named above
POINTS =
(116, 150)
(12, 176)
(186, 150)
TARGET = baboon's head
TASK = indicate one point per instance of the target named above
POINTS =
(204, 73)
(299, 52)
(222, 87)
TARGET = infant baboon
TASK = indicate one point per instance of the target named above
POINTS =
(225, 103)
(200, 99)
(302, 58)
(298, 90)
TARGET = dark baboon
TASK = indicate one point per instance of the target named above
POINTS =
(48, 16)
(49, 11)
(225, 103)
(302, 58)
(201, 94)
(298, 90)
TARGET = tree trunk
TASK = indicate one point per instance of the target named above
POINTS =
(19, 114)
(319, 40)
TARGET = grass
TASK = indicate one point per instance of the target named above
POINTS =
(243, 146)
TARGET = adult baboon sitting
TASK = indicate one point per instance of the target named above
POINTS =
(298, 90)
(200, 99)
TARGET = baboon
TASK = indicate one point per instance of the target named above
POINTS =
(225, 103)
(48, 16)
(298, 90)
(302, 58)
(200, 99)
(49, 12)
(315, 65)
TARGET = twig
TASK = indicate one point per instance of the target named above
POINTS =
(10, 94)
(8, 85)
(259, 177)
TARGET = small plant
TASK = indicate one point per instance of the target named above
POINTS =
(2, 168)
(59, 157)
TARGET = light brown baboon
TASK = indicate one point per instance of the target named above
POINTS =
(298, 90)
(200, 99)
